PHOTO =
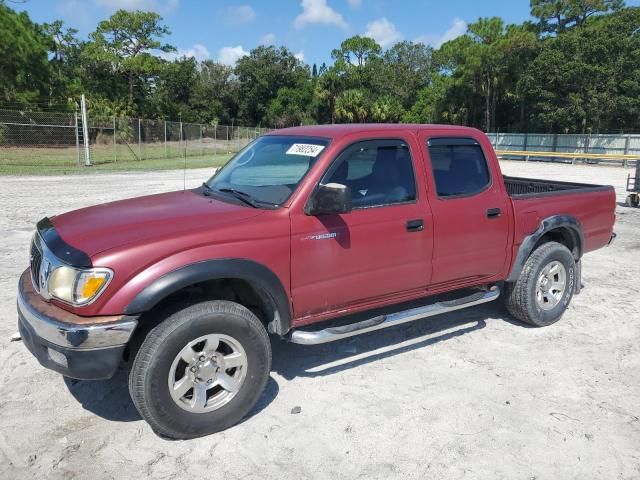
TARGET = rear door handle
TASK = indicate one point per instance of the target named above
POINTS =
(493, 213)
(415, 225)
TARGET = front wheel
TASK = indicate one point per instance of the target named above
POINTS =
(201, 370)
(544, 289)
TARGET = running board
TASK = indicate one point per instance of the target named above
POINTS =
(332, 334)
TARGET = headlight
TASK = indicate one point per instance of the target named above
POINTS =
(78, 286)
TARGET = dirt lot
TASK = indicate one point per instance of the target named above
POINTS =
(473, 394)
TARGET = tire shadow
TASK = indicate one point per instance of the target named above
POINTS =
(110, 399)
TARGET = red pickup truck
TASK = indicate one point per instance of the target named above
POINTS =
(311, 234)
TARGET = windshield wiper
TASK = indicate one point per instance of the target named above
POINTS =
(239, 194)
(242, 196)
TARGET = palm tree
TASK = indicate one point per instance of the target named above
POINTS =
(351, 106)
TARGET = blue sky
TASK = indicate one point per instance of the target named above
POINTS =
(223, 30)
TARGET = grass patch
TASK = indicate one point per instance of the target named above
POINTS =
(62, 160)
(127, 165)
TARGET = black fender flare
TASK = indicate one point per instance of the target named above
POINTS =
(260, 277)
(566, 222)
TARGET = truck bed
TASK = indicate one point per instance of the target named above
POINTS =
(520, 187)
(592, 205)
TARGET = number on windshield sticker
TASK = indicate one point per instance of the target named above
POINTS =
(305, 149)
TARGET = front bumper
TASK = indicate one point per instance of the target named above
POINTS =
(87, 348)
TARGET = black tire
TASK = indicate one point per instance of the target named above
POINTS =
(632, 200)
(520, 297)
(149, 371)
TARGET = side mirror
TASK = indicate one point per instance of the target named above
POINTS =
(329, 199)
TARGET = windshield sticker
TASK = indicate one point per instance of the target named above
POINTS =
(306, 149)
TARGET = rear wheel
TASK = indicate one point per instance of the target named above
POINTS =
(545, 287)
(633, 200)
(201, 370)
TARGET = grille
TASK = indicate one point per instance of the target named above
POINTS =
(36, 261)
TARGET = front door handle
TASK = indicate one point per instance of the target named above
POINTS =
(415, 225)
(493, 213)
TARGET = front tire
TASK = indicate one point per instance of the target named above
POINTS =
(545, 287)
(201, 370)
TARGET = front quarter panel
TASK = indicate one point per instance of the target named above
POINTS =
(263, 240)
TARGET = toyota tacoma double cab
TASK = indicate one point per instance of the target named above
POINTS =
(311, 234)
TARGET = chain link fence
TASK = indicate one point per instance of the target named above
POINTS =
(573, 145)
(46, 139)
(56, 139)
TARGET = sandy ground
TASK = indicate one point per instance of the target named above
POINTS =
(473, 394)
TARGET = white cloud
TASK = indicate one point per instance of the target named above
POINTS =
(318, 12)
(163, 6)
(354, 3)
(300, 55)
(383, 31)
(458, 27)
(239, 14)
(126, 4)
(230, 55)
(198, 51)
(268, 39)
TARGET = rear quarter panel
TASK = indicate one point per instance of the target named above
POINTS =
(594, 208)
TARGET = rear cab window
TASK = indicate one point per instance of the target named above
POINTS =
(459, 166)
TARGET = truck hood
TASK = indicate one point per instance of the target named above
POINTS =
(144, 219)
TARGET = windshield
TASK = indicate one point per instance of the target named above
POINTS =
(269, 169)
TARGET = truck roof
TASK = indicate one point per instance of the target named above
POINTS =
(340, 130)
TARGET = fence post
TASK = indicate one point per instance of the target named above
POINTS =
(626, 150)
(185, 142)
(626, 144)
(555, 142)
(587, 139)
(215, 140)
(586, 148)
(115, 154)
(140, 138)
(85, 131)
(75, 116)
(201, 146)
(166, 155)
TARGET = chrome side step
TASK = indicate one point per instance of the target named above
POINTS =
(332, 334)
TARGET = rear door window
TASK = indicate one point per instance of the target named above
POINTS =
(459, 166)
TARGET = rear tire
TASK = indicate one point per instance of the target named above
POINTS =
(201, 370)
(545, 287)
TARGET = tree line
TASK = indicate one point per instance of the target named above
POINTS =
(574, 68)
